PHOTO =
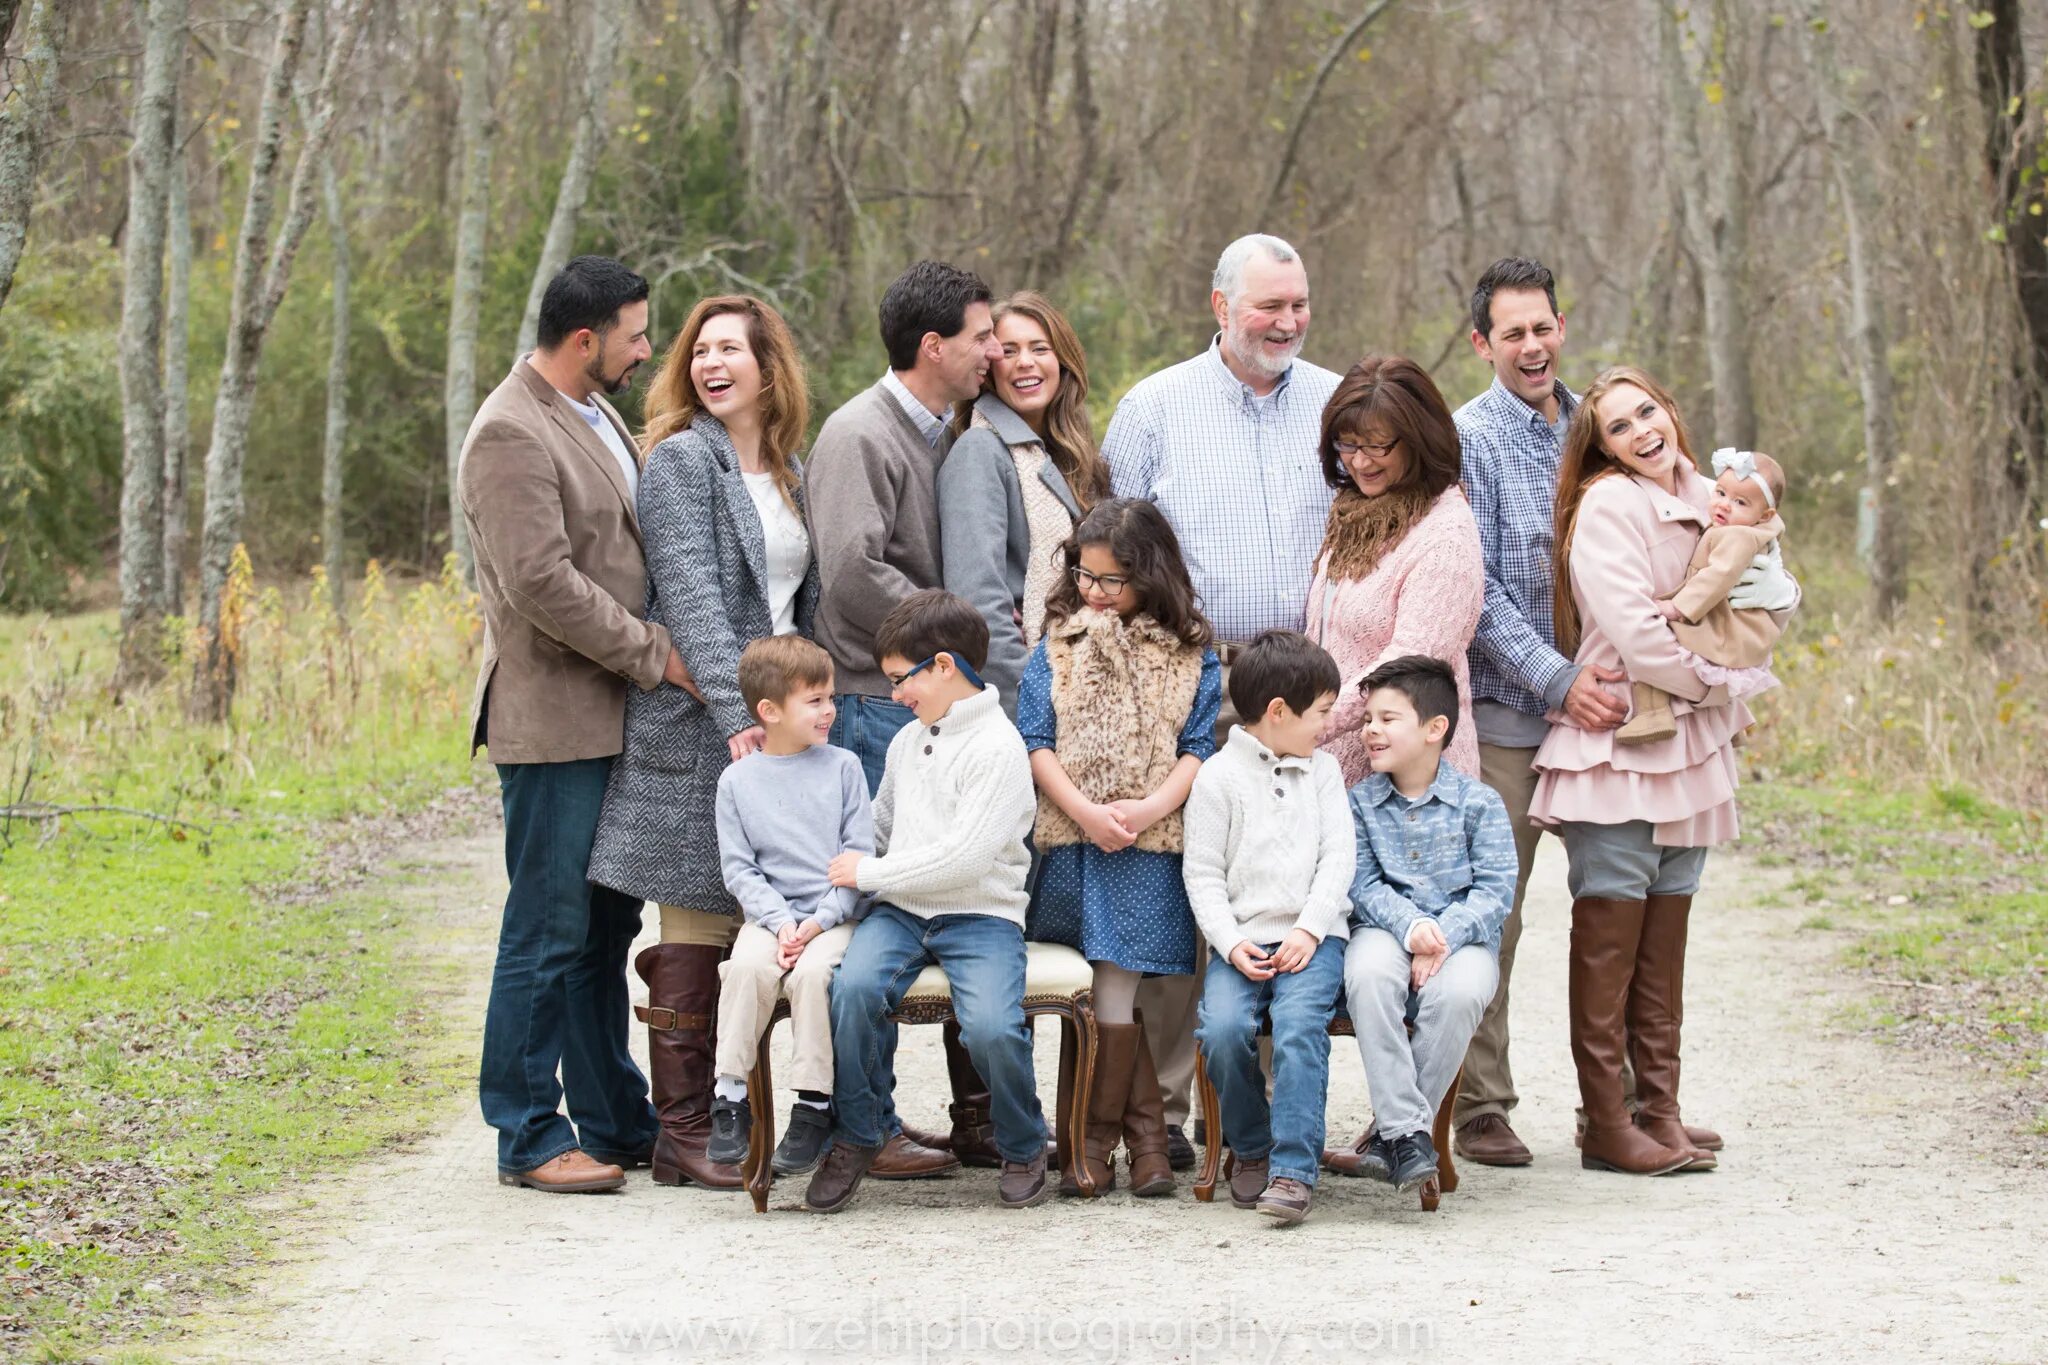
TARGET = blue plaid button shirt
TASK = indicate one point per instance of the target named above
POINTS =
(1510, 462)
(1450, 856)
(927, 422)
(1240, 479)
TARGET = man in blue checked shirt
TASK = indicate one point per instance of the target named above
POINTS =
(1226, 444)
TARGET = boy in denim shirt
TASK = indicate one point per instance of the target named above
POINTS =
(1435, 878)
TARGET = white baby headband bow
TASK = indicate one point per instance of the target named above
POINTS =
(1743, 463)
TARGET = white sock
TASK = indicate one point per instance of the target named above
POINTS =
(730, 1088)
(815, 1104)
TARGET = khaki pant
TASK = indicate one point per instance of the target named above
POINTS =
(752, 981)
(701, 927)
(1489, 1083)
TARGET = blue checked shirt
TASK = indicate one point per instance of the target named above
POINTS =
(1450, 856)
(929, 423)
(1510, 477)
(1240, 479)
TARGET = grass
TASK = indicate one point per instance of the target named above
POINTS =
(190, 1015)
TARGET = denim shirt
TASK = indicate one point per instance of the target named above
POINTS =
(1449, 855)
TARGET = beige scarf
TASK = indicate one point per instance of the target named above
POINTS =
(1362, 530)
(1121, 691)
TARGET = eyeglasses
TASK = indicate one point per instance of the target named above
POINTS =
(898, 679)
(1350, 448)
(1109, 585)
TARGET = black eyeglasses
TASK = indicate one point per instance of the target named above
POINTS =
(1348, 448)
(1110, 585)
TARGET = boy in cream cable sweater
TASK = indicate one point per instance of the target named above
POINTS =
(948, 874)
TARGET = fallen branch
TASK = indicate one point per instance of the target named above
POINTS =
(48, 815)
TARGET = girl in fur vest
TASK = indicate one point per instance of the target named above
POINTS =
(1118, 709)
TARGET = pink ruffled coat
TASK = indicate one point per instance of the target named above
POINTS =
(1631, 548)
(1422, 598)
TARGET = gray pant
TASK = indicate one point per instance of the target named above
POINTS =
(1623, 862)
(1408, 1077)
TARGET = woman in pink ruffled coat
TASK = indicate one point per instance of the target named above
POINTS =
(1637, 820)
(1400, 570)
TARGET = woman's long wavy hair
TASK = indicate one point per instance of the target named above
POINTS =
(672, 402)
(1069, 436)
(1586, 459)
(1140, 538)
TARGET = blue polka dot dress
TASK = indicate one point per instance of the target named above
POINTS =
(1128, 908)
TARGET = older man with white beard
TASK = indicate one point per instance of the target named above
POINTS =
(1226, 444)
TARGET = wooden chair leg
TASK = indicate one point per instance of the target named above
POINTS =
(1075, 1122)
(1212, 1129)
(758, 1170)
(1446, 1169)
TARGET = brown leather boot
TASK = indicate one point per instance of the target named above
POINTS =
(1656, 1007)
(1604, 938)
(1116, 1055)
(681, 1015)
(973, 1138)
(1145, 1126)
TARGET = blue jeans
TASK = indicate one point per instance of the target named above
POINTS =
(558, 992)
(984, 959)
(1289, 1132)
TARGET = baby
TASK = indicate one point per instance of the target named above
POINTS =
(1719, 643)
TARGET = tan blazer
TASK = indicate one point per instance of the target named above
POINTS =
(559, 569)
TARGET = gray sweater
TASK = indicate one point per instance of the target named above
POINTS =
(874, 513)
(781, 819)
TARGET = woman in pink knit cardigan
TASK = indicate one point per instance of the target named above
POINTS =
(1400, 571)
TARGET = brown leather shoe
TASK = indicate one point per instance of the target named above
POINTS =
(1286, 1200)
(570, 1173)
(1605, 936)
(1247, 1181)
(838, 1177)
(1025, 1183)
(1489, 1141)
(681, 1015)
(901, 1159)
(1144, 1125)
(929, 1137)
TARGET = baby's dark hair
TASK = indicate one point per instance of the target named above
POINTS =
(1140, 538)
(775, 666)
(1428, 684)
(1284, 664)
(928, 622)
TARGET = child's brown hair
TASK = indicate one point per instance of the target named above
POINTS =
(774, 667)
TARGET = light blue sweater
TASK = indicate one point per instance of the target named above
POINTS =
(781, 819)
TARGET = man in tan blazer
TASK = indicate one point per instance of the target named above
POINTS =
(547, 480)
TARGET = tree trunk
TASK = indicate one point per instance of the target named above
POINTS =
(1881, 520)
(337, 396)
(23, 118)
(474, 132)
(142, 316)
(177, 387)
(1715, 214)
(259, 286)
(606, 22)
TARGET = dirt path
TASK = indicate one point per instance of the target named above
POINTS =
(1855, 1216)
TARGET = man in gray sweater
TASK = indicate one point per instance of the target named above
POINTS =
(871, 486)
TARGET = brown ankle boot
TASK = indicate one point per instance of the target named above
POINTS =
(1145, 1127)
(1604, 938)
(1652, 719)
(1656, 1008)
(973, 1138)
(681, 1015)
(1115, 1055)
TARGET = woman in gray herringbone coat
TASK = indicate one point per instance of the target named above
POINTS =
(728, 562)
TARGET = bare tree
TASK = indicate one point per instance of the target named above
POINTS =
(142, 316)
(335, 444)
(476, 130)
(1299, 123)
(606, 22)
(262, 270)
(177, 384)
(24, 118)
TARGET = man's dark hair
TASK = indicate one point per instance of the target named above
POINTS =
(927, 622)
(1509, 272)
(1284, 664)
(587, 292)
(931, 296)
(1428, 684)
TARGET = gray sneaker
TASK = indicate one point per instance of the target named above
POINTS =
(731, 1123)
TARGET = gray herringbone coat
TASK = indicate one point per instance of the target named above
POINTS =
(707, 582)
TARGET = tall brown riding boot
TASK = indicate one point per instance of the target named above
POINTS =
(681, 1015)
(1656, 1008)
(974, 1130)
(1145, 1127)
(1115, 1055)
(1605, 935)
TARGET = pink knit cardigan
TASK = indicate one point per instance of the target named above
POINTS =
(1631, 547)
(1422, 598)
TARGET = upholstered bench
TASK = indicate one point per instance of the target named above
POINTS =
(1445, 1179)
(1057, 981)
